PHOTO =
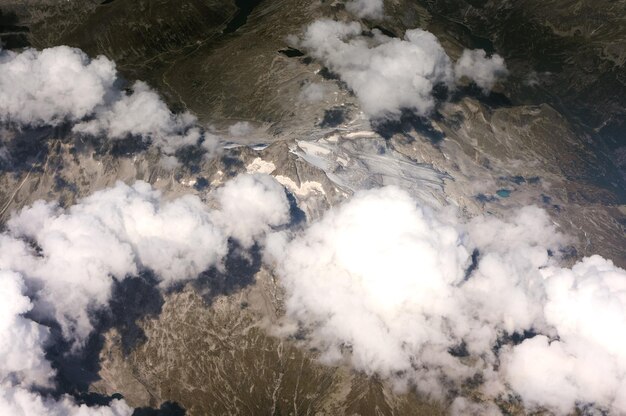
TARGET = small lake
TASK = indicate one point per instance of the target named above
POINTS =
(241, 17)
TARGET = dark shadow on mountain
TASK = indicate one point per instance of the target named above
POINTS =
(386, 32)
(12, 34)
(29, 148)
(240, 265)
(14, 40)
(334, 117)
(75, 370)
(95, 399)
(515, 338)
(123, 147)
(440, 93)
(61, 183)
(459, 350)
(516, 179)
(297, 216)
(477, 3)
(166, 409)
(454, 121)
(473, 265)
(492, 100)
(407, 123)
(9, 22)
(132, 299)
(568, 253)
(239, 269)
(201, 184)
(191, 157)
(127, 147)
(328, 75)
(232, 163)
(483, 198)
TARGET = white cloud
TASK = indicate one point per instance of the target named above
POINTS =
(386, 74)
(313, 92)
(23, 364)
(389, 74)
(66, 259)
(587, 362)
(368, 9)
(17, 401)
(142, 113)
(484, 71)
(62, 84)
(384, 284)
(250, 206)
(379, 275)
(117, 231)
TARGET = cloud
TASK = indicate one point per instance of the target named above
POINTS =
(484, 71)
(17, 401)
(586, 361)
(429, 300)
(388, 74)
(367, 9)
(118, 231)
(22, 341)
(143, 114)
(59, 264)
(23, 363)
(313, 92)
(53, 86)
(63, 85)
(240, 129)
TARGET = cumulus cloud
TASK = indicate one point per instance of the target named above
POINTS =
(143, 114)
(368, 9)
(586, 361)
(59, 264)
(118, 231)
(353, 277)
(52, 86)
(63, 85)
(388, 74)
(250, 206)
(22, 341)
(482, 70)
(23, 364)
(429, 300)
